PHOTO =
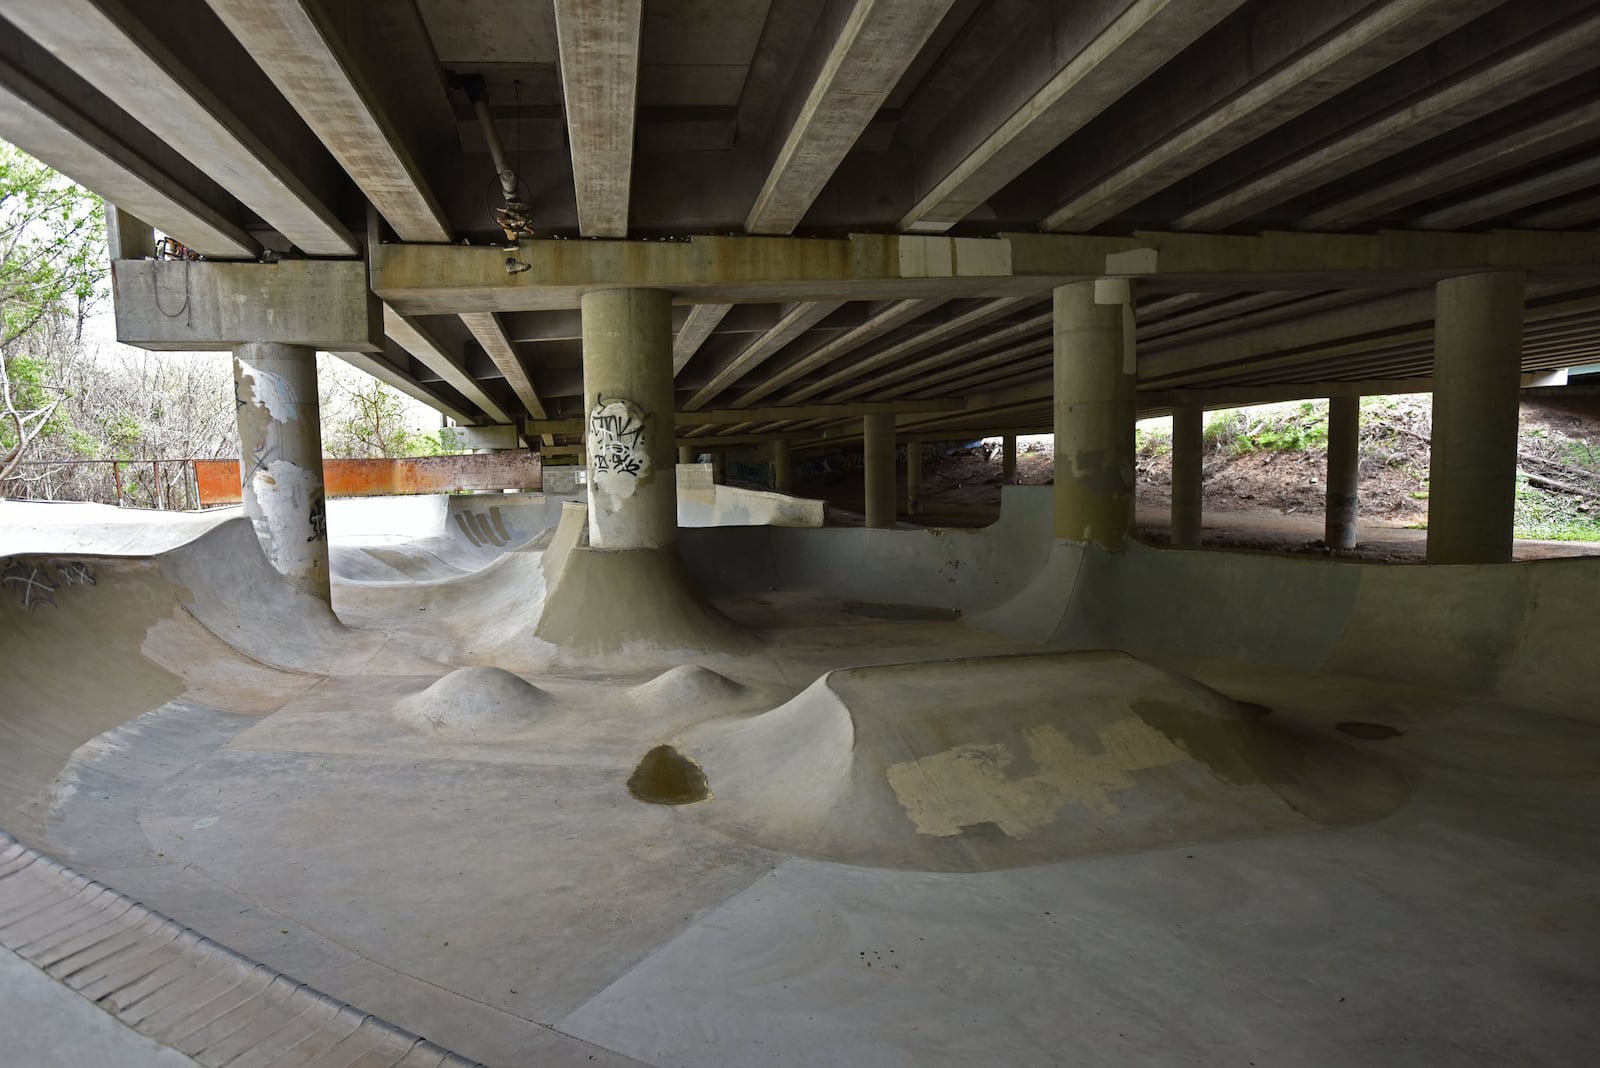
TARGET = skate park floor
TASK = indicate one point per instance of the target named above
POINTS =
(499, 890)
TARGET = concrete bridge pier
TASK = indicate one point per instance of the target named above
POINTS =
(1094, 412)
(1008, 460)
(914, 476)
(627, 394)
(782, 466)
(1344, 472)
(877, 460)
(1477, 367)
(280, 459)
(1188, 486)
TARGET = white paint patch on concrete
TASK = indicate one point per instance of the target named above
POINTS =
(970, 785)
(272, 392)
(283, 492)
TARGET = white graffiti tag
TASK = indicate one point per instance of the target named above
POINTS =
(74, 573)
(30, 580)
(618, 448)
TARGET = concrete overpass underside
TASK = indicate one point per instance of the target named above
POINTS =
(571, 781)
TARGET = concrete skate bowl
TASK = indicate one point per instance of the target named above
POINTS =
(974, 765)
(91, 642)
(389, 540)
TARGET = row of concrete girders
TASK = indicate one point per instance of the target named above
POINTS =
(320, 65)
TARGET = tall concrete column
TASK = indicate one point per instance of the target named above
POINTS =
(280, 459)
(1094, 375)
(719, 466)
(782, 466)
(1188, 478)
(1344, 472)
(627, 392)
(914, 476)
(1476, 388)
(686, 454)
(1008, 460)
(877, 435)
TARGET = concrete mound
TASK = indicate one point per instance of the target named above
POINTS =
(688, 684)
(475, 702)
(631, 604)
(996, 762)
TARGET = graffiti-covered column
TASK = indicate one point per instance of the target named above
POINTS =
(627, 391)
(280, 459)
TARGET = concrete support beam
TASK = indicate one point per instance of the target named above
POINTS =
(1094, 363)
(1188, 478)
(439, 358)
(1472, 481)
(386, 367)
(913, 476)
(1066, 69)
(935, 334)
(1548, 58)
(870, 51)
(183, 305)
(896, 314)
(627, 392)
(1298, 64)
(719, 467)
(1549, 184)
(782, 466)
(1512, 149)
(280, 459)
(128, 237)
(687, 454)
(107, 45)
(702, 320)
(877, 462)
(491, 334)
(1344, 472)
(1008, 460)
(41, 122)
(599, 45)
(795, 321)
(293, 42)
(428, 279)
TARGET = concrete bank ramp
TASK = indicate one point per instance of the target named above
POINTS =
(972, 765)
(90, 642)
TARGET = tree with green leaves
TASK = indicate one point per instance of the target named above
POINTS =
(52, 269)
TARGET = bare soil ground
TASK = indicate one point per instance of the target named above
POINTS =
(1262, 500)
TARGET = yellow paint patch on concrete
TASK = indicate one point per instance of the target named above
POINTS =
(970, 784)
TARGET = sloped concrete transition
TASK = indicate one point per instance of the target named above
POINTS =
(543, 804)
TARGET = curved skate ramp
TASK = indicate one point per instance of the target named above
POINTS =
(971, 765)
(90, 642)
(434, 537)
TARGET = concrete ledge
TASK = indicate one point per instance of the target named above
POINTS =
(184, 991)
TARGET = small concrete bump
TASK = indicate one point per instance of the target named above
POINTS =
(475, 702)
(687, 684)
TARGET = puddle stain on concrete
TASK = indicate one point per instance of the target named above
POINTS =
(972, 784)
(667, 777)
